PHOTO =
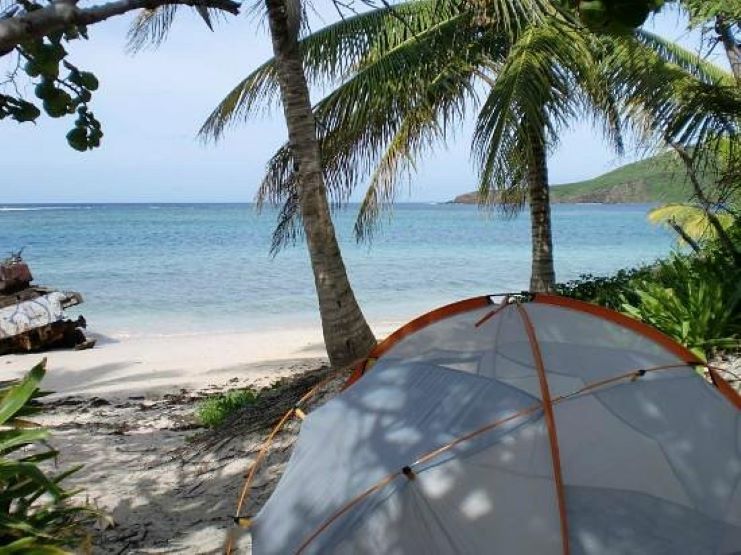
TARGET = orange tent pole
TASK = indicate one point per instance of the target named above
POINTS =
(550, 425)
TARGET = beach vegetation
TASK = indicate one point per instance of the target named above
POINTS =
(694, 298)
(37, 515)
(215, 409)
(609, 291)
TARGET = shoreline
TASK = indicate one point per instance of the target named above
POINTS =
(152, 366)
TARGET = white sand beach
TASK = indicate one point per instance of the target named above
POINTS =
(126, 411)
(154, 365)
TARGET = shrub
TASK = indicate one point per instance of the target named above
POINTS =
(697, 301)
(608, 291)
(215, 409)
(36, 514)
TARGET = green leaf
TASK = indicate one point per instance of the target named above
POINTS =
(13, 470)
(16, 397)
(30, 546)
(12, 439)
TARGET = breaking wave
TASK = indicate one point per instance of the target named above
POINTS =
(36, 208)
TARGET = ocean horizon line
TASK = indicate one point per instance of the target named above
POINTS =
(8, 206)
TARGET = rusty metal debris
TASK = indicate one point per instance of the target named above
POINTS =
(32, 317)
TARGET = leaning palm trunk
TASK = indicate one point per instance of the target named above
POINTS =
(542, 275)
(347, 335)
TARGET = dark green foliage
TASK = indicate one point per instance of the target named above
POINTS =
(616, 17)
(77, 139)
(88, 80)
(695, 299)
(57, 103)
(215, 409)
(36, 513)
(18, 109)
(607, 291)
(60, 86)
(86, 133)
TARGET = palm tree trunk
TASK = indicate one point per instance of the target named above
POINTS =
(347, 335)
(730, 45)
(543, 275)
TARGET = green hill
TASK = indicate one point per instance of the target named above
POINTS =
(658, 179)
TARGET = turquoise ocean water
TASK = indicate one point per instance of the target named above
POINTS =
(182, 268)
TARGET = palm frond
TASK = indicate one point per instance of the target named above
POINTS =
(691, 62)
(357, 119)
(426, 124)
(377, 125)
(288, 228)
(151, 27)
(257, 92)
(599, 101)
(671, 103)
(534, 95)
(335, 52)
(510, 17)
(330, 55)
(691, 218)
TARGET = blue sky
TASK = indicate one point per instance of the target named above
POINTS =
(151, 105)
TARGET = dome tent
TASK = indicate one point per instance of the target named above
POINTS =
(536, 425)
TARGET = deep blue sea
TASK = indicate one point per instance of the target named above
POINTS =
(182, 268)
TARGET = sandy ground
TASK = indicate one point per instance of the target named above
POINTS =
(147, 468)
(125, 410)
(157, 365)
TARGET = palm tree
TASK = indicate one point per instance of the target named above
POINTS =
(511, 146)
(347, 336)
(404, 77)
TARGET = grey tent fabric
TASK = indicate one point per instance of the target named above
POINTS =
(650, 465)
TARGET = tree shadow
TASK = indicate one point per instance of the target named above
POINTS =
(649, 465)
(658, 456)
(164, 504)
